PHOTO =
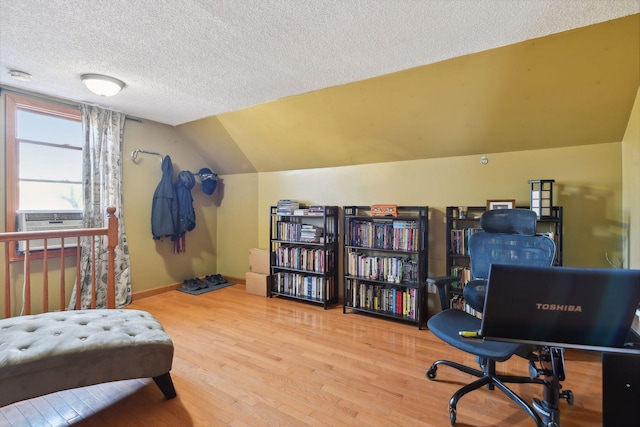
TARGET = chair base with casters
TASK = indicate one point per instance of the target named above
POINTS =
(546, 367)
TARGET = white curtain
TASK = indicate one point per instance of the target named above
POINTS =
(102, 184)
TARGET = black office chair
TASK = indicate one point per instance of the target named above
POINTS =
(508, 236)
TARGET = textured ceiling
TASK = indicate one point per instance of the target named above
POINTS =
(189, 59)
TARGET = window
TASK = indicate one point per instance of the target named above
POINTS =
(44, 143)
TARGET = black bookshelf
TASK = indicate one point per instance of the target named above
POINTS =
(386, 263)
(304, 255)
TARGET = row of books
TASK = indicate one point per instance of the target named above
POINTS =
(302, 286)
(397, 235)
(386, 269)
(462, 273)
(457, 300)
(460, 240)
(301, 258)
(382, 298)
(296, 232)
(311, 210)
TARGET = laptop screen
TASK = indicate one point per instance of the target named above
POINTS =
(561, 306)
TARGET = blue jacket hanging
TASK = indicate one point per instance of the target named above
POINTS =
(186, 213)
(164, 209)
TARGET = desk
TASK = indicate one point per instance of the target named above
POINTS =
(621, 388)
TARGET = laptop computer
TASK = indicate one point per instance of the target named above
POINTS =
(563, 307)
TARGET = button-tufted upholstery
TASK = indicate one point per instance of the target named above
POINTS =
(48, 352)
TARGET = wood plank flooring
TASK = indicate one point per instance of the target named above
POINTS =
(244, 360)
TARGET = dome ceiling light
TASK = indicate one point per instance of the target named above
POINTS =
(102, 85)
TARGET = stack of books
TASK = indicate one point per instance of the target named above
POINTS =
(316, 210)
(310, 233)
(287, 206)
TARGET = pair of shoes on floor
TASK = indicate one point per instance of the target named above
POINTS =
(215, 279)
(197, 283)
(194, 284)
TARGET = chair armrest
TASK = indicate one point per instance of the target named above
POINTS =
(442, 283)
(443, 280)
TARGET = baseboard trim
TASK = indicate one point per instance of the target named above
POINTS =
(168, 288)
(154, 291)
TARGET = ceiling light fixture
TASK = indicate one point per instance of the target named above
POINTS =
(23, 76)
(102, 85)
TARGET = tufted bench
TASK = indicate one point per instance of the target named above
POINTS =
(44, 353)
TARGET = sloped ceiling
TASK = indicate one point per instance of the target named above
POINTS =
(572, 88)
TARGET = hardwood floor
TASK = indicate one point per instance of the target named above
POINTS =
(244, 360)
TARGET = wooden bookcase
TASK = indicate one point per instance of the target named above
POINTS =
(385, 263)
(460, 228)
(304, 255)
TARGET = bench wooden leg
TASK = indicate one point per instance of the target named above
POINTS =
(166, 385)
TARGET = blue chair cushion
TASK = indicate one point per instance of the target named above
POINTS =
(446, 325)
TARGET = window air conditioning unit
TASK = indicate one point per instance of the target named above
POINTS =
(41, 220)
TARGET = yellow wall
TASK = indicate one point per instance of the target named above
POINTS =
(588, 185)
(238, 218)
(631, 187)
(153, 262)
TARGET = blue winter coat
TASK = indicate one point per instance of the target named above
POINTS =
(164, 210)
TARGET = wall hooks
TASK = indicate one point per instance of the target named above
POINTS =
(134, 154)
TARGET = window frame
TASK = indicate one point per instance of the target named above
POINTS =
(13, 103)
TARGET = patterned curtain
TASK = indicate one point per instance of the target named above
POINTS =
(102, 183)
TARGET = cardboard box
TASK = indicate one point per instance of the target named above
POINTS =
(257, 283)
(259, 261)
